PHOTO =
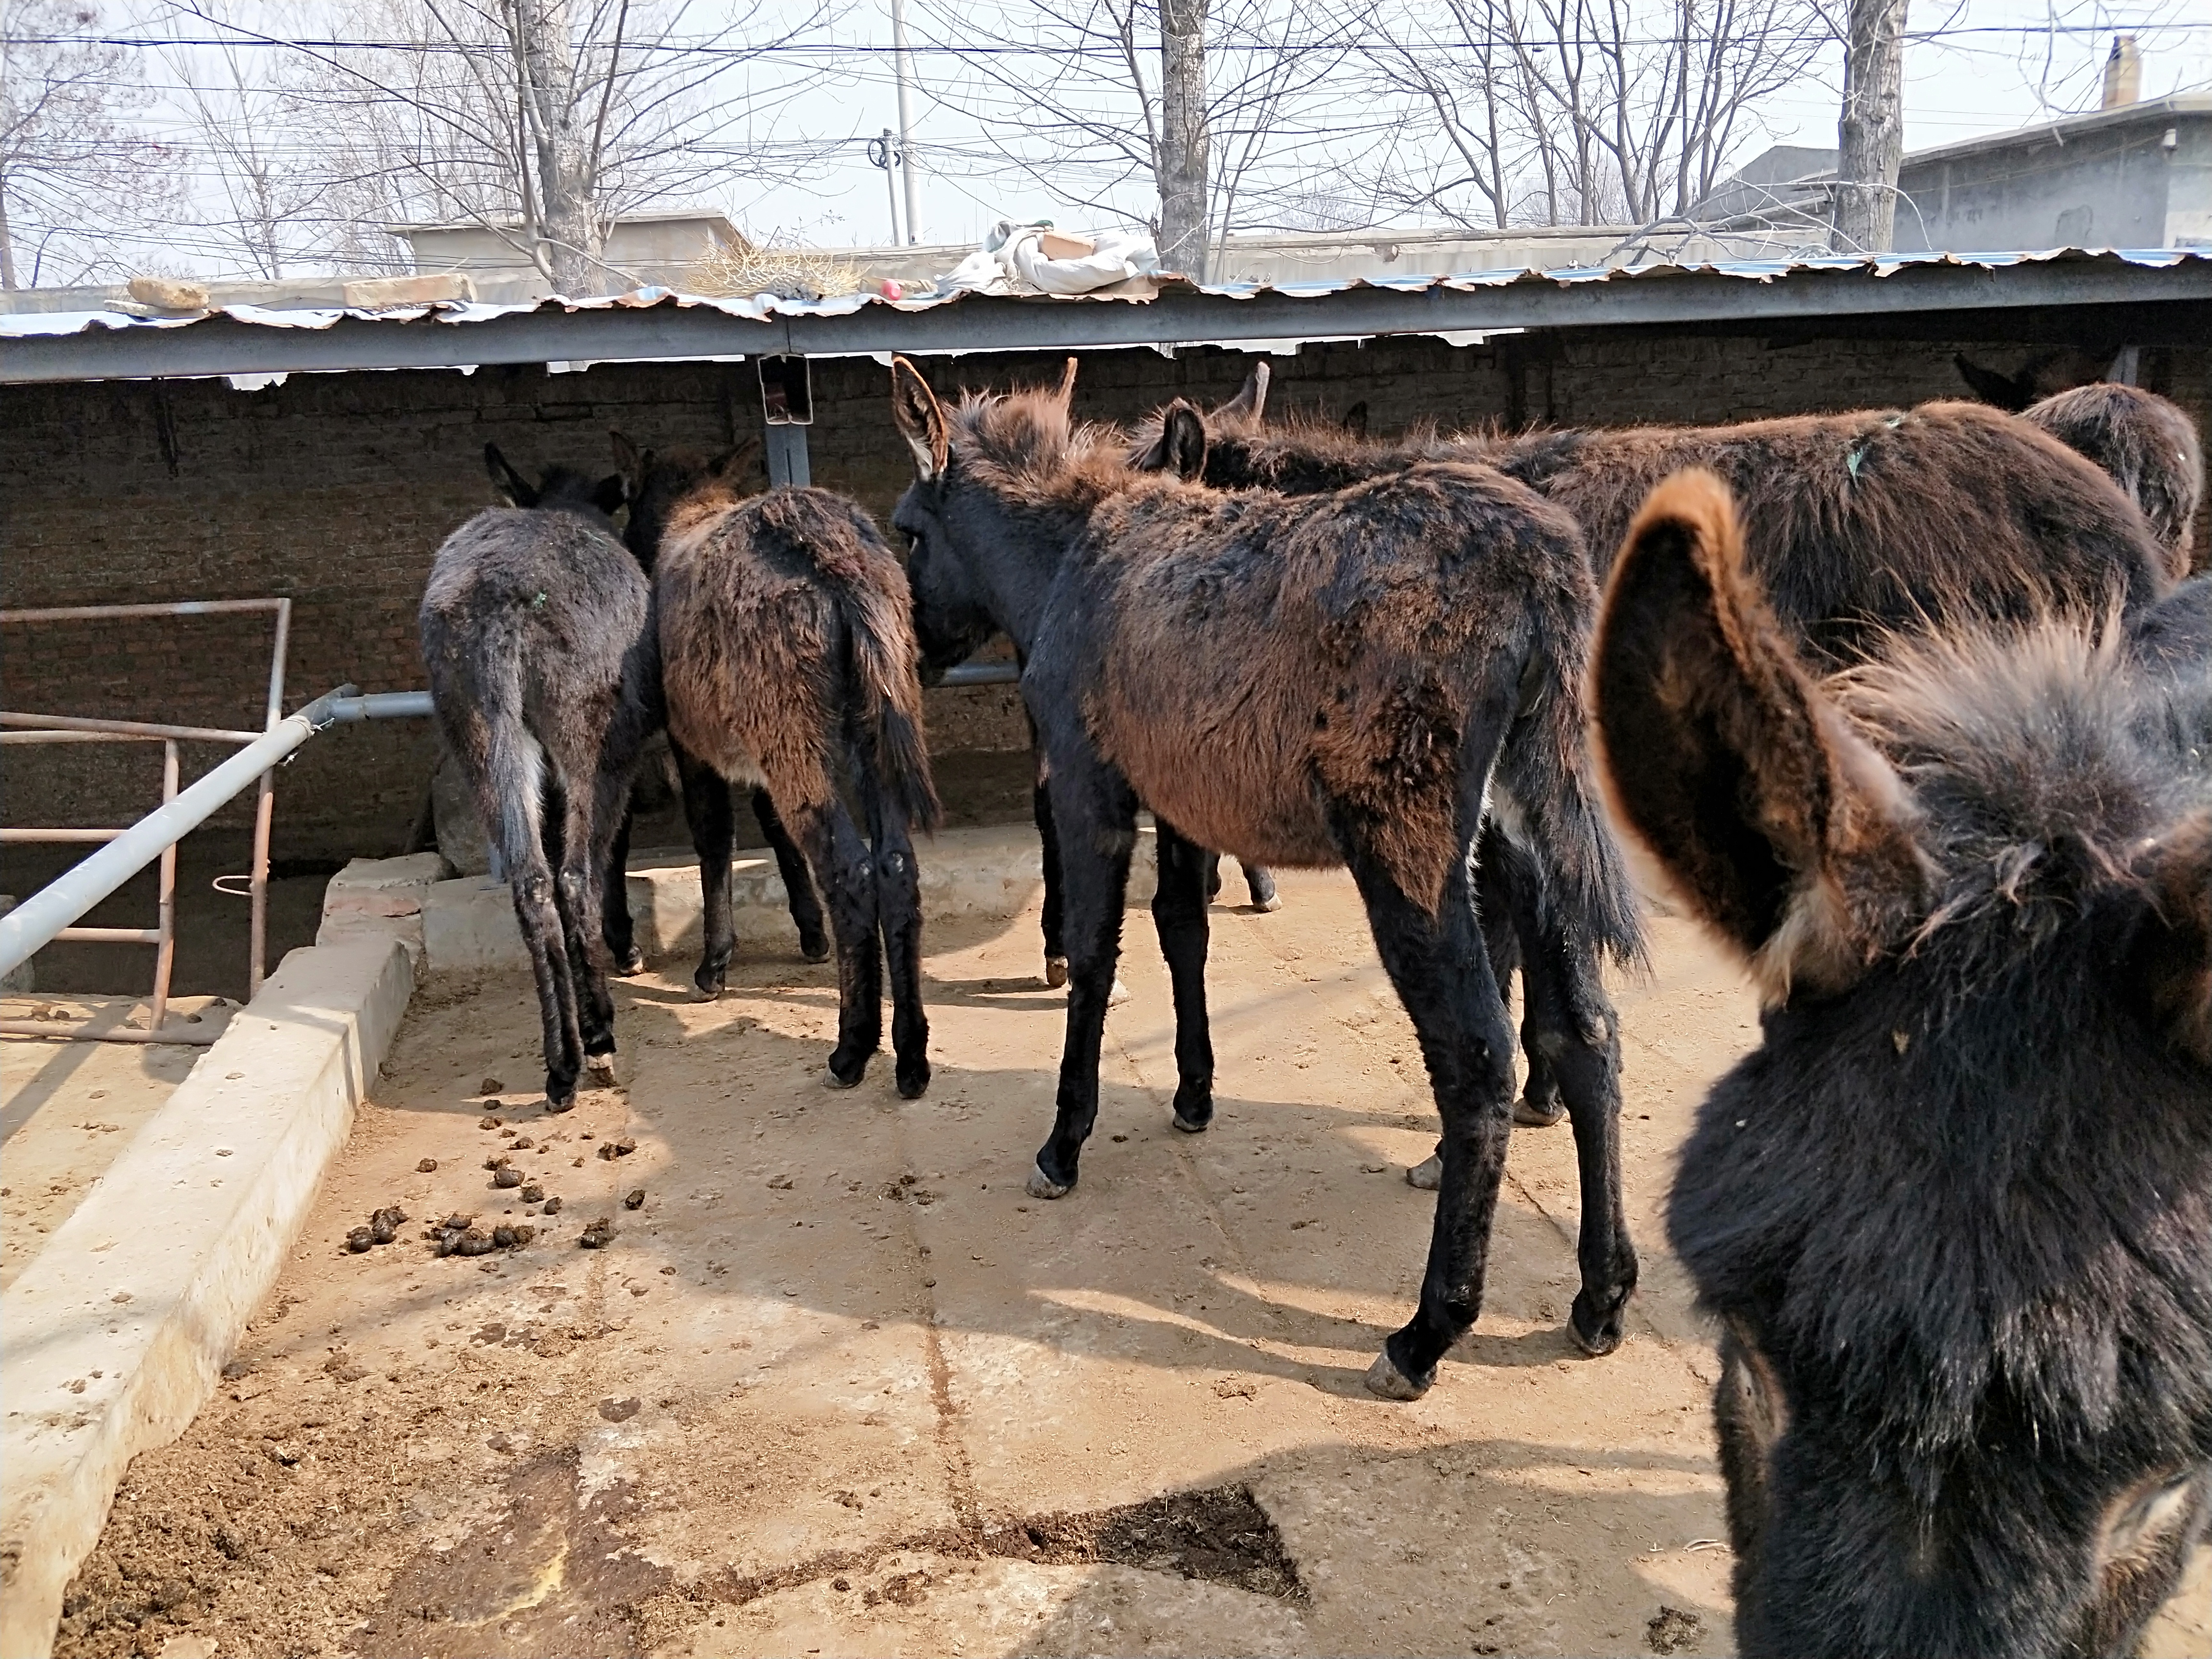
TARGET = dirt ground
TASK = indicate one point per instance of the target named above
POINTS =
(836, 1385)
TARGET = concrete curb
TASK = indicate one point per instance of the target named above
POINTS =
(469, 927)
(117, 1334)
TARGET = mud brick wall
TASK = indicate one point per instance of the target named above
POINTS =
(336, 489)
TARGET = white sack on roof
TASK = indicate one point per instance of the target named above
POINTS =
(1038, 259)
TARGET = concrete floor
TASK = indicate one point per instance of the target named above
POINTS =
(68, 1109)
(836, 1386)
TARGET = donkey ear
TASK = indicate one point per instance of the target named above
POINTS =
(1355, 419)
(921, 419)
(2172, 955)
(1783, 830)
(612, 491)
(1066, 391)
(519, 490)
(1250, 402)
(627, 455)
(1180, 446)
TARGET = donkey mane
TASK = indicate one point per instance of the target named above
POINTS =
(1025, 444)
(2041, 778)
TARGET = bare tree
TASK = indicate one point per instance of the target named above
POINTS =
(1579, 112)
(72, 173)
(541, 121)
(267, 205)
(1199, 116)
(1870, 134)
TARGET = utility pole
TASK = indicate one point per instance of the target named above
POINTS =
(884, 153)
(903, 60)
(1871, 136)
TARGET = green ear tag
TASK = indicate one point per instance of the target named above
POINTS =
(1853, 459)
(538, 603)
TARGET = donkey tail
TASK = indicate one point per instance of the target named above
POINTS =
(878, 622)
(1545, 797)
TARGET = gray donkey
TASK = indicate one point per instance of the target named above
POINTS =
(536, 627)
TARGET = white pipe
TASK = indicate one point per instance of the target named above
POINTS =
(34, 924)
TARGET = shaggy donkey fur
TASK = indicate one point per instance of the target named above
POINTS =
(535, 627)
(653, 488)
(1862, 525)
(2148, 445)
(1303, 684)
(785, 637)
(1955, 1213)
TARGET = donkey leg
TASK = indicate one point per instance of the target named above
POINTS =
(713, 837)
(1496, 903)
(594, 813)
(1261, 885)
(1055, 945)
(798, 881)
(1095, 812)
(834, 848)
(530, 882)
(1511, 886)
(1179, 914)
(1570, 1021)
(615, 925)
(898, 905)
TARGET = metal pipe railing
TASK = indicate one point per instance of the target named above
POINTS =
(41, 918)
(119, 730)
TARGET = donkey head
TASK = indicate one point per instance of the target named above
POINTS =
(560, 489)
(658, 480)
(1955, 1213)
(987, 519)
(1180, 446)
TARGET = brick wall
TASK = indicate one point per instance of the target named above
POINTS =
(336, 489)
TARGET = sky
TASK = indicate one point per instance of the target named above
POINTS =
(1961, 87)
(1993, 65)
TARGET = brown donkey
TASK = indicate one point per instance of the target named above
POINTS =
(2147, 444)
(786, 640)
(1352, 680)
(1858, 526)
(1954, 1214)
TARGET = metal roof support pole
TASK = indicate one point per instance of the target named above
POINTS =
(264, 807)
(785, 453)
(902, 61)
(36, 921)
(165, 953)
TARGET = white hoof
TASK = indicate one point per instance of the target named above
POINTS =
(602, 1068)
(1428, 1175)
(1040, 1185)
(1386, 1380)
(1272, 905)
(1055, 971)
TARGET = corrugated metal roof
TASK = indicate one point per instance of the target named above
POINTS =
(660, 323)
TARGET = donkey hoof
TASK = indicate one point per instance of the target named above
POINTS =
(1268, 905)
(1428, 1175)
(560, 1097)
(831, 1079)
(1595, 1334)
(629, 962)
(814, 948)
(1119, 994)
(706, 990)
(1537, 1114)
(1385, 1379)
(1040, 1185)
(602, 1068)
(1055, 971)
(913, 1080)
(1192, 1126)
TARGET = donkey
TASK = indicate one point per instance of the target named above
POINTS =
(1864, 524)
(1304, 684)
(2147, 445)
(1955, 1215)
(706, 798)
(785, 638)
(536, 626)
